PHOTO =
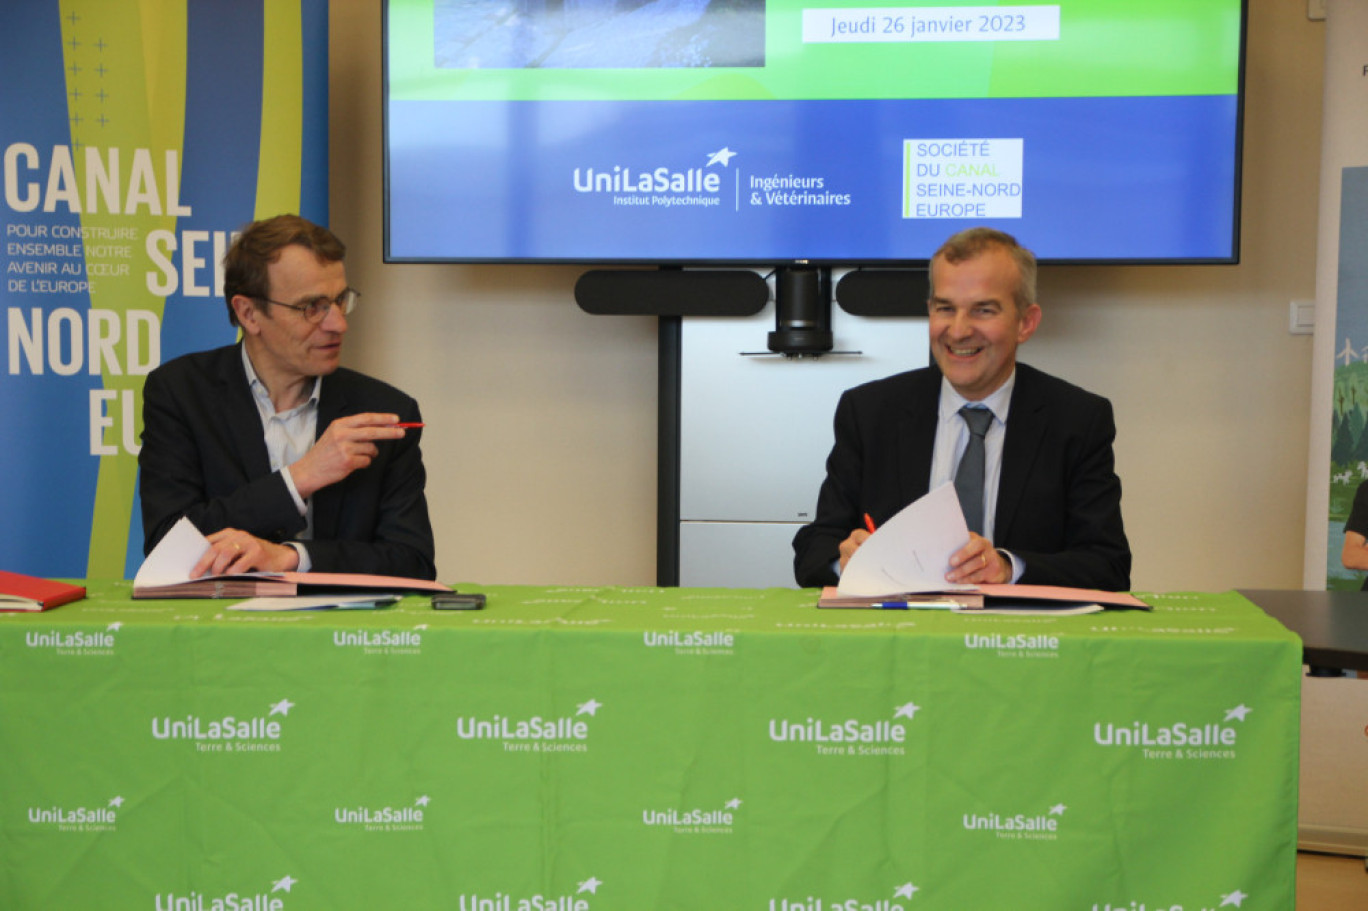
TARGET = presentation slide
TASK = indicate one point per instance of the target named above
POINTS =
(780, 131)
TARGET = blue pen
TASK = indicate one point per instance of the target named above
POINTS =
(920, 604)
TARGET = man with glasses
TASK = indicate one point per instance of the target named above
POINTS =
(282, 458)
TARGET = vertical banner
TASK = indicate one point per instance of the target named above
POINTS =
(1338, 461)
(137, 139)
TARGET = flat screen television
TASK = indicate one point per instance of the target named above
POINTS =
(781, 132)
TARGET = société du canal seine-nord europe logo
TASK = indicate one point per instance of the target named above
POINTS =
(1186, 740)
(533, 733)
(849, 736)
(229, 733)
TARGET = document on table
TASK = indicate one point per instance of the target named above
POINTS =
(910, 552)
(905, 561)
(341, 601)
(166, 574)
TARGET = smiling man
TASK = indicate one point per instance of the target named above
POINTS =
(282, 458)
(1047, 509)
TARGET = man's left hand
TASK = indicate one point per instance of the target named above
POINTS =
(978, 562)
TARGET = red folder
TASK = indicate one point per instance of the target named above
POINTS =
(19, 592)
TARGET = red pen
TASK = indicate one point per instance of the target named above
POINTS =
(409, 425)
(869, 523)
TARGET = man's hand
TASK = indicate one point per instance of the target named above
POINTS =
(978, 562)
(346, 446)
(852, 544)
(234, 551)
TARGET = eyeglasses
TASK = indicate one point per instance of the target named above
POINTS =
(315, 309)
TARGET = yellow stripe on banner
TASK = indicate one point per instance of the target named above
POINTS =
(282, 109)
(126, 67)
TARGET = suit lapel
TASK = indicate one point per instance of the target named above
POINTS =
(1026, 423)
(917, 435)
(327, 503)
(242, 416)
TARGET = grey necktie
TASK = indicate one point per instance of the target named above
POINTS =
(969, 475)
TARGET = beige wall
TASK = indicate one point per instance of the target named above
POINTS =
(540, 443)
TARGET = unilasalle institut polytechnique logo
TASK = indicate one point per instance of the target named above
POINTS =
(272, 899)
(578, 899)
(533, 733)
(848, 736)
(1168, 739)
(227, 733)
(698, 184)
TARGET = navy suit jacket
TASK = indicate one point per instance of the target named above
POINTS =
(204, 456)
(1059, 499)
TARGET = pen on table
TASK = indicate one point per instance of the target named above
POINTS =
(869, 523)
(409, 424)
(926, 604)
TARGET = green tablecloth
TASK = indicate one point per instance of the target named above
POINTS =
(642, 748)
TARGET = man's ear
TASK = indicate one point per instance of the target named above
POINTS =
(1028, 323)
(248, 315)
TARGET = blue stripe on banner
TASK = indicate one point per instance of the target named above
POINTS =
(313, 189)
(47, 480)
(219, 175)
(218, 178)
(224, 62)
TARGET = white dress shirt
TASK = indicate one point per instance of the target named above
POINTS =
(952, 437)
(289, 435)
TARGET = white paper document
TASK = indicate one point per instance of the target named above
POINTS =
(910, 552)
(166, 573)
(342, 601)
(174, 556)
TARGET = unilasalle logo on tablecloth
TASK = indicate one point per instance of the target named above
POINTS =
(76, 643)
(384, 818)
(691, 642)
(260, 899)
(1234, 899)
(901, 893)
(1170, 739)
(227, 733)
(848, 736)
(380, 641)
(533, 733)
(577, 899)
(1041, 825)
(78, 819)
(1013, 645)
(694, 820)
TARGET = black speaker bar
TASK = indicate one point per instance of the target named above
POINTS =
(884, 292)
(671, 292)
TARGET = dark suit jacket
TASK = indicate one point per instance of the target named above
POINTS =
(1059, 499)
(204, 456)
